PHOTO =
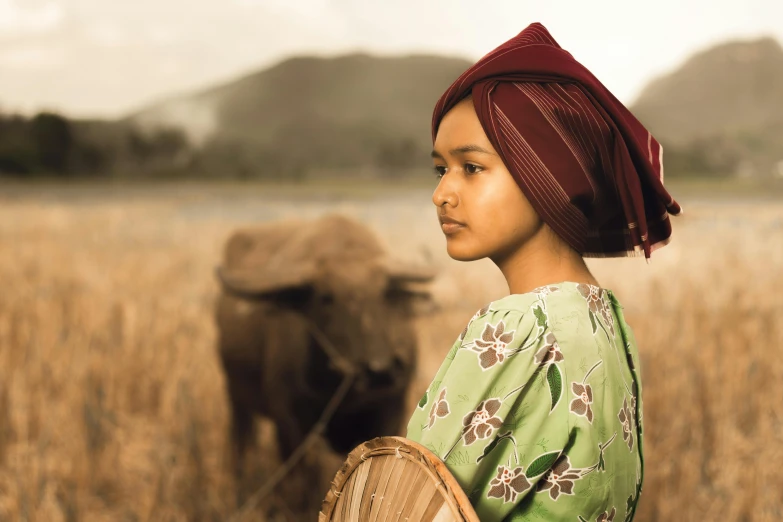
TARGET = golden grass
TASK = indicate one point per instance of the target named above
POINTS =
(112, 403)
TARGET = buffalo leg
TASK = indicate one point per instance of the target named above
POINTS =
(289, 433)
(242, 382)
(242, 432)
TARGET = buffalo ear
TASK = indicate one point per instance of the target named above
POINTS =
(411, 282)
(404, 271)
(257, 282)
(421, 301)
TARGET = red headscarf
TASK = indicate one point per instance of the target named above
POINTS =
(588, 167)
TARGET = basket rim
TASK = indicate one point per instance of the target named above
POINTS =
(403, 448)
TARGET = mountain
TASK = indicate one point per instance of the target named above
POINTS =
(724, 104)
(720, 113)
(346, 111)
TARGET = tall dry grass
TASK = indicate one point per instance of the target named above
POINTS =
(112, 403)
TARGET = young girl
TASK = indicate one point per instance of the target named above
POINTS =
(537, 408)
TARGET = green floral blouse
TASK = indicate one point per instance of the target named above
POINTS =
(537, 408)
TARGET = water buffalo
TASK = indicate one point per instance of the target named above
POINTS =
(287, 288)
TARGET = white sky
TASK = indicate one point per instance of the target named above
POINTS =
(107, 57)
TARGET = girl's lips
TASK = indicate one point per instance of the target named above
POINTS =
(450, 228)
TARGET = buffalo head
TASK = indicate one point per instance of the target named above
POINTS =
(350, 302)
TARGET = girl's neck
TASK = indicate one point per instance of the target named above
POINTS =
(542, 260)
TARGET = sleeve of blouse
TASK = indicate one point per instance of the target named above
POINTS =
(496, 413)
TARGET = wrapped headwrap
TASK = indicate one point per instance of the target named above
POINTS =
(588, 167)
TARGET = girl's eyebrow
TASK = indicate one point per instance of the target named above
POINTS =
(461, 150)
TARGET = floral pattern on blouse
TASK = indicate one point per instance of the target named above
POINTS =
(560, 478)
(550, 352)
(606, 516)
(584, 397)
(540, 377)
(478, 314)
(598, 304)
(440, 408)
(625, 420)
(491, 347)
(480, 423)
(508, 484)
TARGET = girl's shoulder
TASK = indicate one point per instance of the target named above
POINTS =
(568, 295)
(574, 315)
(510, 310)
(572, 311)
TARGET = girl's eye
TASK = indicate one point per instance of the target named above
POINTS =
(468, 166)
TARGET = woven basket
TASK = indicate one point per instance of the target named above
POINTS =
(393, 478)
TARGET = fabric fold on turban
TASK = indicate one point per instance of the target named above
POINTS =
(588, 167)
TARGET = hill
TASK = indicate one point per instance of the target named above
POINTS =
(349, 111)
(723, 107)
(719, 114)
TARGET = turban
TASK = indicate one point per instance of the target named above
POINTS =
(588, 167)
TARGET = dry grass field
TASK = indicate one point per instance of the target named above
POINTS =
(112, 403)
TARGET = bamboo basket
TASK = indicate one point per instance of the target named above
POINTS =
(393, 478)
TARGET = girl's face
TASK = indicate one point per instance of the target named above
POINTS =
(476, 189)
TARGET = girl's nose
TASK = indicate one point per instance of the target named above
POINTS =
(444, 193)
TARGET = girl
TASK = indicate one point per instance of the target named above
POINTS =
(537, 408)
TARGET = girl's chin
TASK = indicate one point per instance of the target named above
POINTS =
(462, 252)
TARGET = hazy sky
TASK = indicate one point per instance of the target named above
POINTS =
(107, 57)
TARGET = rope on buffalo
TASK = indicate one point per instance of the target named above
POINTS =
(349, 371)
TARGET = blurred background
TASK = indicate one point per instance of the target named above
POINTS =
(136, 136)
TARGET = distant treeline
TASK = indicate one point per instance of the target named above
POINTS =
(711, 158)
(51, 145)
